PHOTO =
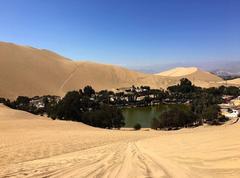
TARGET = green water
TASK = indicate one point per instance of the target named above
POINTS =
(144, 115)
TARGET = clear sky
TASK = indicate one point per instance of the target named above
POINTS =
(126, 32)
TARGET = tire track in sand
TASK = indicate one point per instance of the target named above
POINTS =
(118, 160)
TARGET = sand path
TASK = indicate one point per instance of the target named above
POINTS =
(123, 159)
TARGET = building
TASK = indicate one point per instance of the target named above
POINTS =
(230, 113)
(235, 102)
(140, 98)
(38, 103)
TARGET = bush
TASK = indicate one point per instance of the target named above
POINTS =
(137, 126)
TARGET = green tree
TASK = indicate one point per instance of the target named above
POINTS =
(22, 103)
(155, 124)
(69, 108)
(89, 91)
(105, 117)
(211, 114)
(175, 117)
(137, 126)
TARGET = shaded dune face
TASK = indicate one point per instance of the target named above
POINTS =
(29, 71)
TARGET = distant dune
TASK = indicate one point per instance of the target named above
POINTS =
(191, 73)
(35, 146)
(235, 82)
(179, 71)
(29, 71)
(196, 75)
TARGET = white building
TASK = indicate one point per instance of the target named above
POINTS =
(140, 98)
(233, 114)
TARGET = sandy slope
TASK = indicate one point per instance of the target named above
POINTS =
(178, 71)
(197, 76)
(232, 82)
(30, 71)
(32, 146)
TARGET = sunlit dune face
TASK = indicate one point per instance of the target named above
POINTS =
(179, 71)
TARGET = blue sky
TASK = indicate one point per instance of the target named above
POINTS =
(133, 33)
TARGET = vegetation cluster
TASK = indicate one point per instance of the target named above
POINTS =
(103, 108)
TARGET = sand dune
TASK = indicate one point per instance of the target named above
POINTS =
(34, 146)
(179, 71)
(103, 76)
(29, 71)
(197, 76)
(192, 73)
(234, 81)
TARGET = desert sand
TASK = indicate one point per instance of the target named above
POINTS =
(27, 71)
(197, 76)
(178, 71)
(34, 146)
(232, 82)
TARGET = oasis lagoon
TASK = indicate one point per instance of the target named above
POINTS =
(145, 115)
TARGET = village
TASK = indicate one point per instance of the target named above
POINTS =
(141, 97)
(231, 107)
